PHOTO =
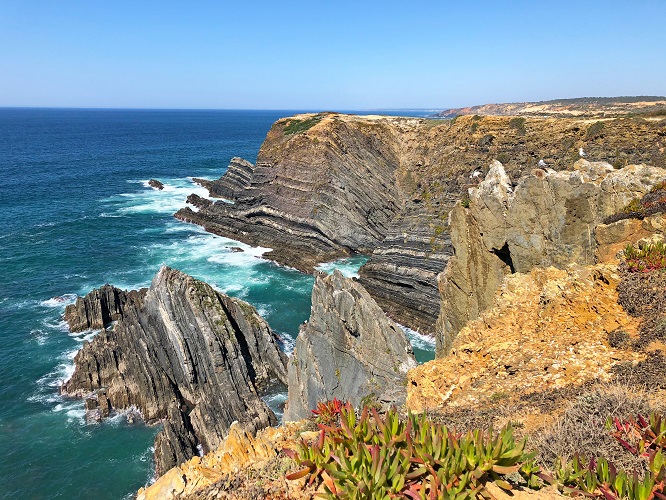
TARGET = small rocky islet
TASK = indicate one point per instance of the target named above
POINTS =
(485, 232)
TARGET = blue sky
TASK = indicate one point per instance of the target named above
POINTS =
(324, 54)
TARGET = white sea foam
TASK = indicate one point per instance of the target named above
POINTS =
(148, 200)
(348, 266)
(288, 343)
(60, 301)
(419, 340)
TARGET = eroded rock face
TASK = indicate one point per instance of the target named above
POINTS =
(548, 219)
(348, 349)
(312, 196)
(184, 353)
(401, 274)
(546, 329)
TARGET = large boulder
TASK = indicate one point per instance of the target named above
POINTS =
(348, 349)
(185, 353)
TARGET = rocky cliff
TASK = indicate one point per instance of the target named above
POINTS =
(234, 182)
(328, 185)
(548, 219)
(543, 330)
(602, 107)
(182, 353)
(348, 349)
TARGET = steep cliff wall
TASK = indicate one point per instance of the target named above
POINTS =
(548, 219)
(184, 353)
(329, 184)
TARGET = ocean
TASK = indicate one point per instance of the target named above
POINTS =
(77, 212)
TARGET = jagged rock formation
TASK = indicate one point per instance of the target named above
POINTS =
(233, 183)
(184, 353)
(208, 476)
(348, 349)
(100, 307)
(548, 219)
(328, 185)
(546, 329)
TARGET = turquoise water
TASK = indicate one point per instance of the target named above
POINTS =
(77, 213)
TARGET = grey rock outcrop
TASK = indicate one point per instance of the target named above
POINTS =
(99, 308)
(347, 349)
(183, 353)
(155, 184)
(548, 219)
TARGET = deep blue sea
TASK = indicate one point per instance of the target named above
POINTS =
(76, 213)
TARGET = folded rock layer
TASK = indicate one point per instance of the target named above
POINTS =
(181, 352)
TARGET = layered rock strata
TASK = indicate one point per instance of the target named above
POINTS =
(328, 185)
(310, 196)
(183, 353)
(233, 183)
(100, 308)
(548, 219)
(348, 349)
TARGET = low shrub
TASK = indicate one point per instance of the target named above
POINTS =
(298, 126)
(518, 124)
(649, 258)
(385, 457)
(651, 203)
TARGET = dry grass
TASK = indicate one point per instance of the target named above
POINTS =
(582, 428)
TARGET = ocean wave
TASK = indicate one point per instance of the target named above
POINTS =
(348, 266)
(148, 200)
(60, 301)
(419, 340)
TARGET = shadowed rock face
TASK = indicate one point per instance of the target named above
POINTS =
(348, 349)
(548, 219)
(328, 185)
(181, 352)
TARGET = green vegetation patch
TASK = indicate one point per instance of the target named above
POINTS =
(639, 208)
(518, 124)
(373, 456)
(298, 126)
(594, 130)
(384, 456)
(649, 258)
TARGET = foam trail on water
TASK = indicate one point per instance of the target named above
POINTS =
(148, 200)
(348, 266)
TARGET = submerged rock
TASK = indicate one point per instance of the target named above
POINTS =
(181, 352)
(155, 184)
(348, 349)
